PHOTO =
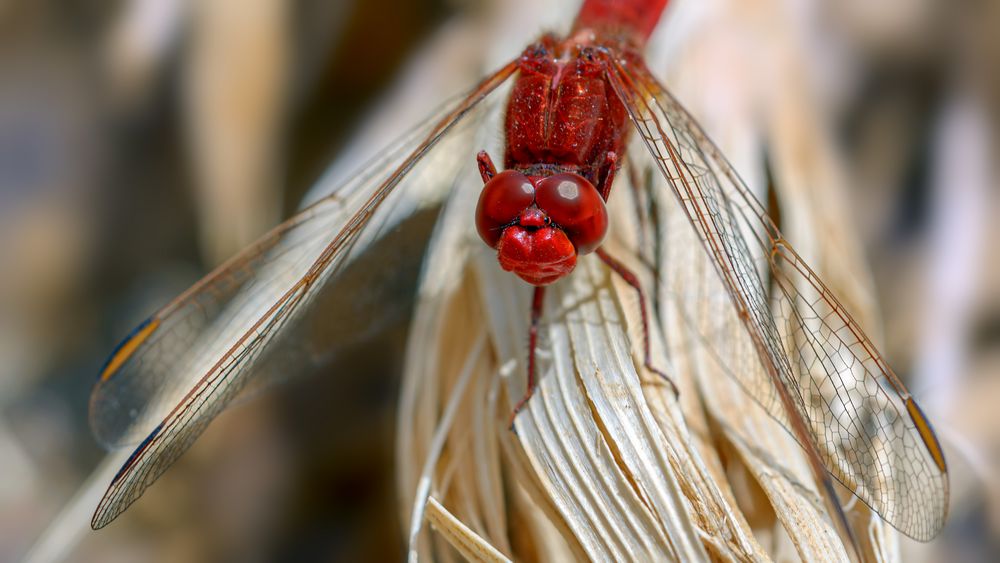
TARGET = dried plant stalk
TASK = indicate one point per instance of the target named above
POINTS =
(606, 463)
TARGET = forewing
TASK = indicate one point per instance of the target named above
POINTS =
(865, 426)
(181, 367)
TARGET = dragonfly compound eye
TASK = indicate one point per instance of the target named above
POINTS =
(501, 202)
(574, 204)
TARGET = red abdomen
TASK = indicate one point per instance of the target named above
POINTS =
(632, 20)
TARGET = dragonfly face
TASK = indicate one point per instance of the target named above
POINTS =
(540, 224)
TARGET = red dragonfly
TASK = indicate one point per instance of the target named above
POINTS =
(574, 103)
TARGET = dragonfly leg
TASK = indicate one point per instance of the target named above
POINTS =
(486, 168)
(611, 161)
(536, 315)
(631, 279)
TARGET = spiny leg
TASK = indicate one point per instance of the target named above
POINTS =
(536, 315)
(631, 279)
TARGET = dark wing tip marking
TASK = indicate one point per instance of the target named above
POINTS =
(127, 346)
(101, 516)
(135, 454)
(926, 433)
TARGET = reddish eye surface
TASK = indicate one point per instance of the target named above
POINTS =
(574, 204)
(503, 198)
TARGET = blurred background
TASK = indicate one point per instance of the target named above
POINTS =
(142, 142)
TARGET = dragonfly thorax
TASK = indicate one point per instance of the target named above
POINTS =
(563, 114)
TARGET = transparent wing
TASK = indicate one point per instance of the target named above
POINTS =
(182, 366)
(863, 424)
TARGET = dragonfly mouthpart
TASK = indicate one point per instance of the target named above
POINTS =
(538, 256)
(533, 217)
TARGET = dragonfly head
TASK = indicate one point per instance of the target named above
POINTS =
(539, 225)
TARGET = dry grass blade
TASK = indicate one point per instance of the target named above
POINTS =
(472, 546)
(606, 464)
